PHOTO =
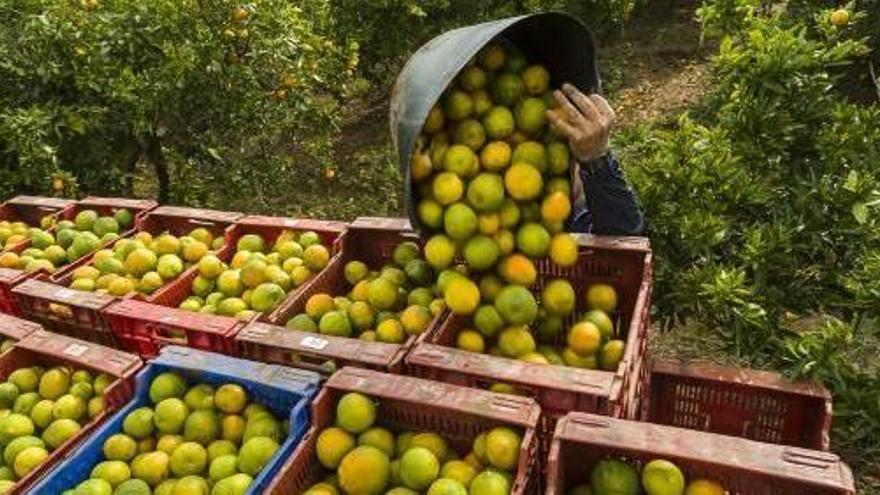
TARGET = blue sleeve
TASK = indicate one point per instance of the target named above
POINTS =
(611, 205)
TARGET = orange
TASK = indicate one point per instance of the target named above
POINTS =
(471, 134)
(461, 160)
(458, 105)
(420, 167)
(563, 249)
(318, 305)
(473, 78)
(493, 57)
(518, 269)
(499, 122)
(584, 338)
(447, 188)
(602, 297)
(611, 354)
(486, 192)
(435, 120)
(531, 115)
(536, 80)
(462, 296)
(470, 340)
(495, 156)
(523, 181)
(556, 207)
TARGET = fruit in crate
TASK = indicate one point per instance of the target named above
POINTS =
(657, 477)
(70, 241)
(191, 437)
(387, 304)
(513, 323)
(362, 455)
(143, 263)
(259, 275)
(12, 233)
(40, 409)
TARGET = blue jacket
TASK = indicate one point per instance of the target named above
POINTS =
(611, 207)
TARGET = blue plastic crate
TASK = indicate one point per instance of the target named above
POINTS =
(285, 391)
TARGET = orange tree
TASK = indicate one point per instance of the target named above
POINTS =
(388, 31)
(91, 88)
(762, 205)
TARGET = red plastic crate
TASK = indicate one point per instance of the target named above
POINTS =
(64, 310)
(144, 328)
(624, 263)
(28, 209)
(743, 467)
(758, 405)
(49, 349)
(78, 313)
(269, 228)
(16, 328)
(109, 207)
(32, 209)
(104, 207)
(371, 240)
(405, 403)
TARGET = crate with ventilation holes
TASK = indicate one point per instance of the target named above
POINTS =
(286, 392)
(740, 466)
(371, 240)
(411, 404)
(79, 313)
(145, 328)
(46, 349)
(622, 262)
(13, 329)
(30, 210)
(758, 405)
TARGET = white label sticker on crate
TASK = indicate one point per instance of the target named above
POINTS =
(316, 343)
(76, 350)
(64, 294)
(290, 222)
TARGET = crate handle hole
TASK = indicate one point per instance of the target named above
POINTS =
(169, 335)
(317, 361)
(61, 310)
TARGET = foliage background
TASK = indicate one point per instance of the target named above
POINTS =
(762, 196)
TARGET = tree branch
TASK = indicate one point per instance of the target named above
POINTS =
(131, 160)
(156, 157)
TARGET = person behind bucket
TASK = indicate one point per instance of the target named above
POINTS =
(603, 202)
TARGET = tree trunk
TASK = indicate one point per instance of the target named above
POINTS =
(130, 165)
(157, 159)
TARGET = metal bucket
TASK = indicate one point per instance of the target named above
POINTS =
(558, 41)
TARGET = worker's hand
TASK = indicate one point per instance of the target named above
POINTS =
(586, 121)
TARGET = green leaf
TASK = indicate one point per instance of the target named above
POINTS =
(860, 212)
(852, 181)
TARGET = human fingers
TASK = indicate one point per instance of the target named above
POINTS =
(560, 123)
(582, 101)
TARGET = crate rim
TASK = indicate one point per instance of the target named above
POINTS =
(166, 361)
(651, 439)
(369, 382)
(767, 380)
